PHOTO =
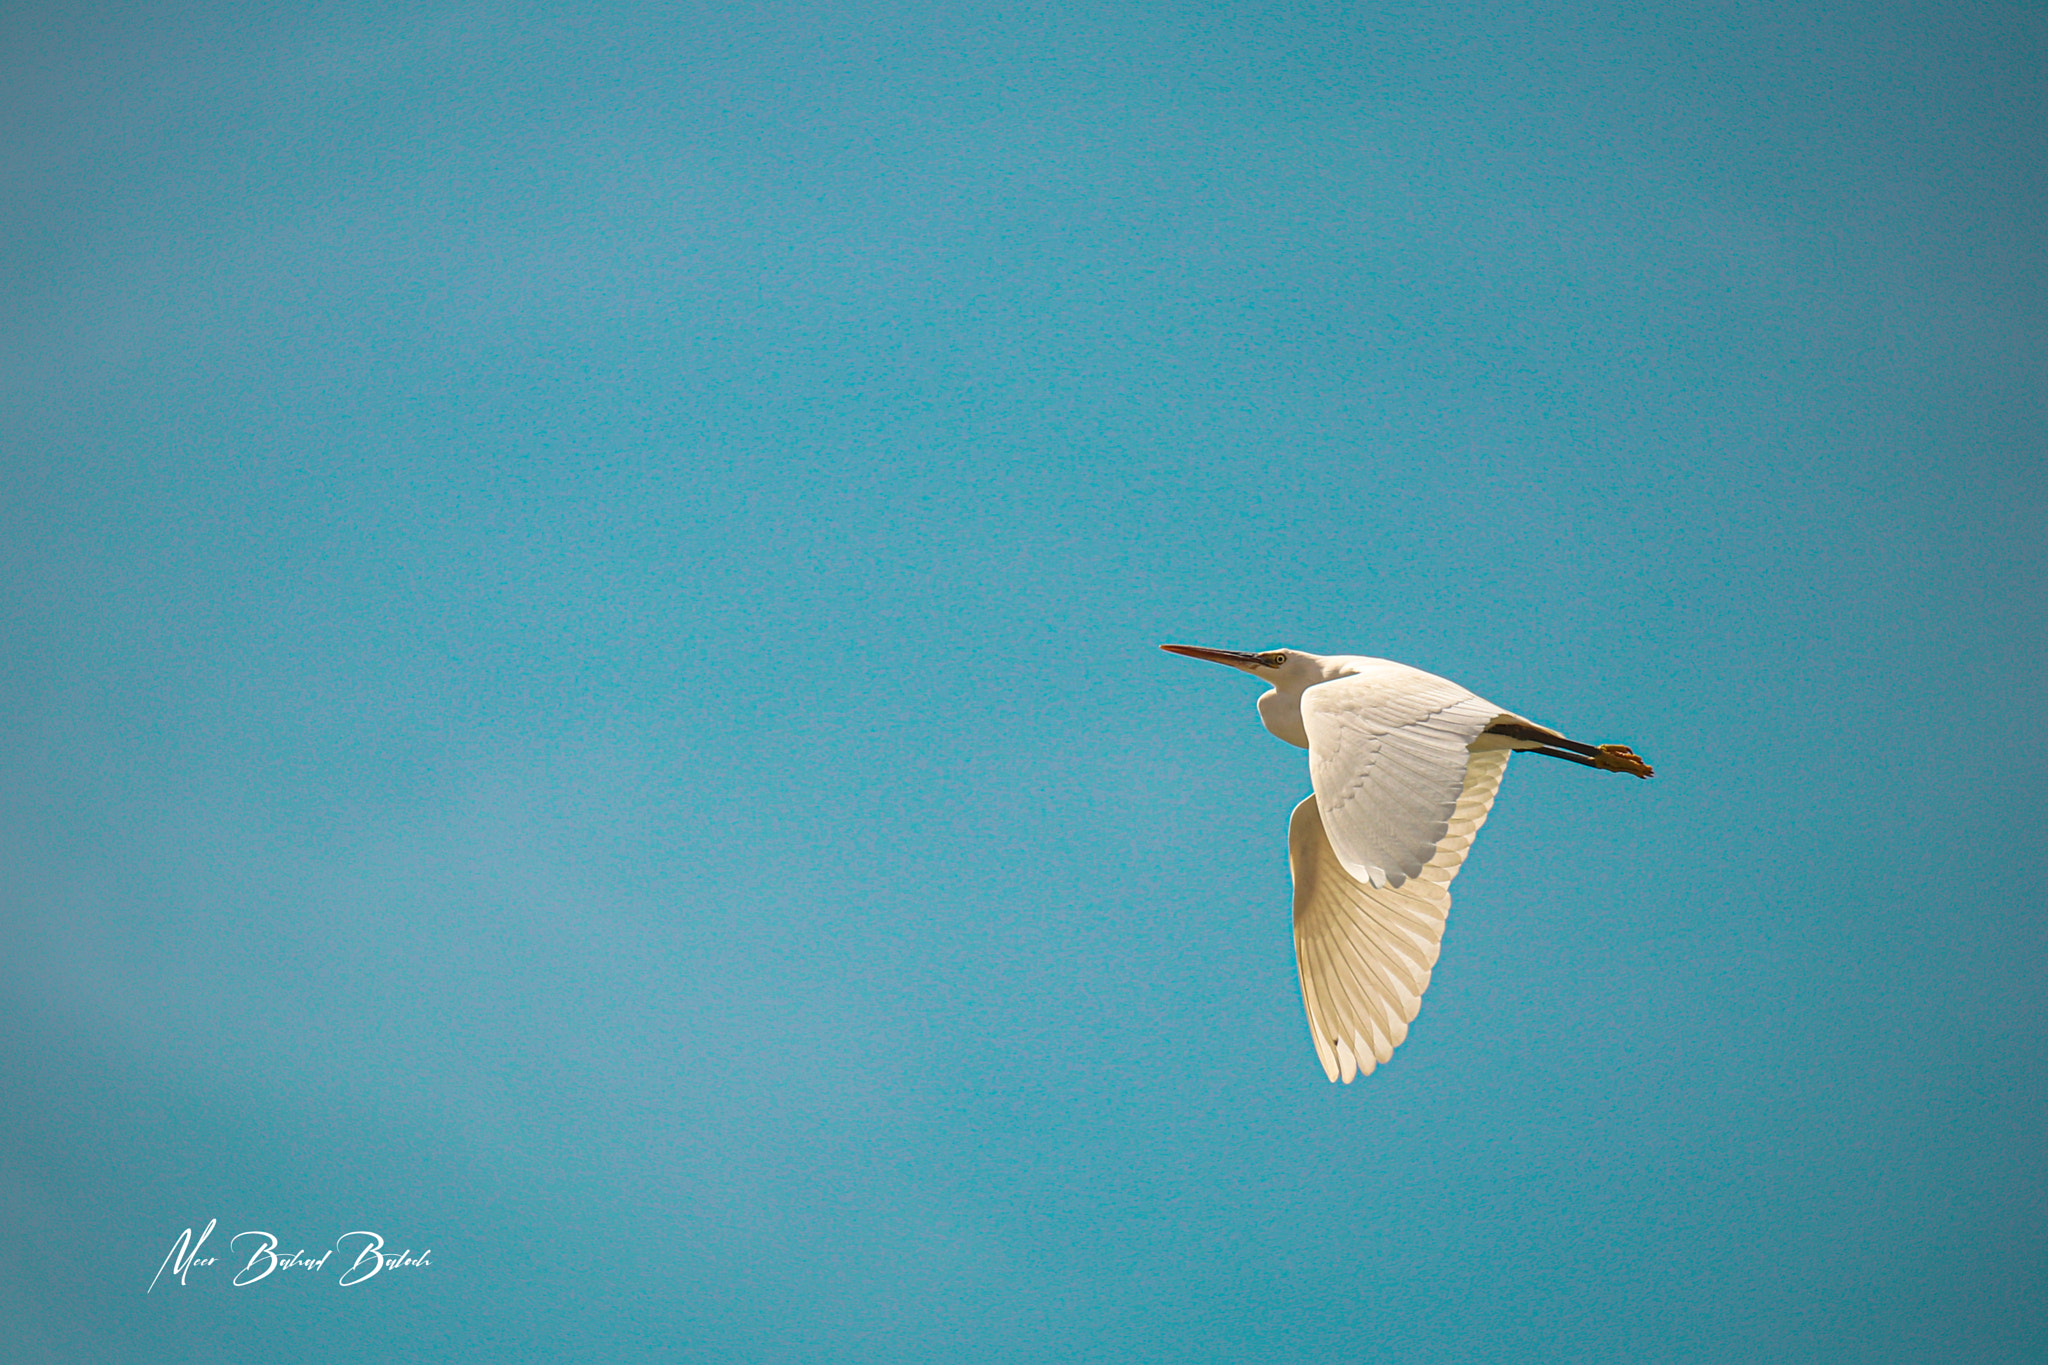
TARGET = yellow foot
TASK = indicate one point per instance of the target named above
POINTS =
(1619, 758)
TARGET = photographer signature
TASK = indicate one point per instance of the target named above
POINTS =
(370, 1257)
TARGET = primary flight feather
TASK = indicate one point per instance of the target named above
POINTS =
(1404, 766)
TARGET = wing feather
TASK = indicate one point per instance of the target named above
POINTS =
(1387, 749)
(1320, 989)
(1366, 952)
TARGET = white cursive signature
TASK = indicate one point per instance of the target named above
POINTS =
(267, 1253)
(264, 1261)
(182, 1251)
(374, 1249)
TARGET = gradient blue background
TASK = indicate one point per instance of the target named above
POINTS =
(581, 592)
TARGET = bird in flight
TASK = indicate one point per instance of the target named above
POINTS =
(1404, 766)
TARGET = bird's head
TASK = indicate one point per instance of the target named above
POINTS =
(1286, 671)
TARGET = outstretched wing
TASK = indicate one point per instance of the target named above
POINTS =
(1365, 951)
(1387, 747)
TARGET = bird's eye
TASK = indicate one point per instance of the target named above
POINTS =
(1274, 659)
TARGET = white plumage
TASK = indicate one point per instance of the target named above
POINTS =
(1405, 766)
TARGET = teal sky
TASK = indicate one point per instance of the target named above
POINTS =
(581, 594)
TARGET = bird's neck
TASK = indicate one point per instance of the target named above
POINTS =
(1281, 711)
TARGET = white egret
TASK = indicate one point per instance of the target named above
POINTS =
(1404, 766)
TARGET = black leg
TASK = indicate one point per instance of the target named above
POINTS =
(1559, 753)
(1613, 758)
(1536, 733)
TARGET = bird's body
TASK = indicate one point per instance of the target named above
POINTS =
(1404, 767)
